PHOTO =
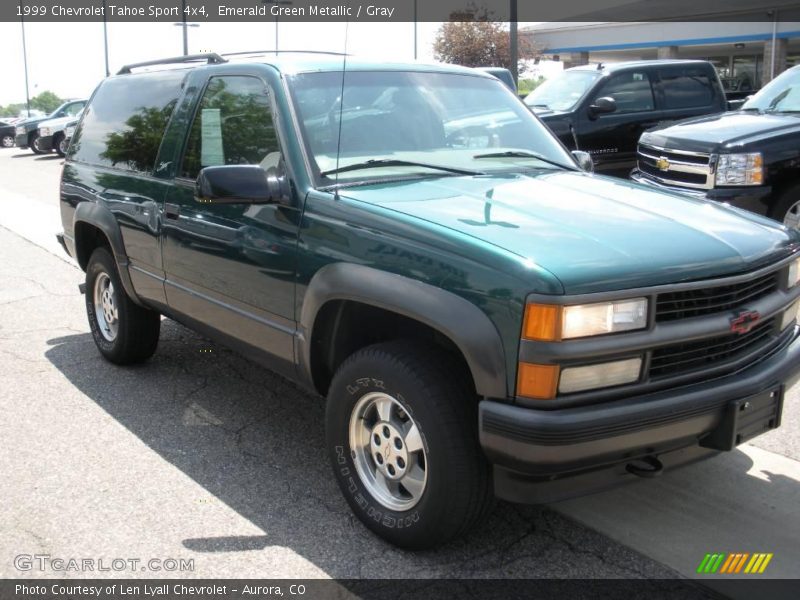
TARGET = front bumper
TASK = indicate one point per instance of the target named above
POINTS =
(545, 455)
(753, 198)
(21, 140)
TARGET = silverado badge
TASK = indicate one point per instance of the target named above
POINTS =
(662, 163)
(744, 321)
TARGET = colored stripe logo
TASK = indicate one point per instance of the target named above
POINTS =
(734, 563)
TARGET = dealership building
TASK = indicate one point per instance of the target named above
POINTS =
(746, 54)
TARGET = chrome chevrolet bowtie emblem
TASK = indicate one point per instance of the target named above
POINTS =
(662, 163)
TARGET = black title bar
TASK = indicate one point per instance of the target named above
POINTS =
(398, 10)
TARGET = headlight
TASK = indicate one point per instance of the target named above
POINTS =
(578, 379)
(548, 322)
(789, 316)
(44, 132)
(740, 169)
(794, 273)
(542, 382)
(20, 130)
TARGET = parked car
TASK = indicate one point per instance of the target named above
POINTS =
(749, 158)
(604, 109)
(483, 317)
(52, 135)
(27, 131)
(7, 133)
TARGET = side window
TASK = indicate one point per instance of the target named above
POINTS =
(233, 126)
(631, 91)
(685, 88)
(123, 126)
(70, 110)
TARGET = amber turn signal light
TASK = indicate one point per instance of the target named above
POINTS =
(537, 381)
(542, 322)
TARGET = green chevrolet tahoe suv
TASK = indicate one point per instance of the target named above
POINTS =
(484, 318)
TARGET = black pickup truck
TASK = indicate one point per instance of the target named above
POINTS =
(749, 158)
(603, 109)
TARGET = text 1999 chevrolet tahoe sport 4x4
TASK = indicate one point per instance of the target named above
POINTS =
(484, 317)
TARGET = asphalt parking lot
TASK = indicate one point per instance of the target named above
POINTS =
(199, 454)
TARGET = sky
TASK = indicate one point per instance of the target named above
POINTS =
(67, 58)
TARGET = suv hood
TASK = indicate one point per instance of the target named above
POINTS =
(713, 133)
(593, 233)
(59, 123)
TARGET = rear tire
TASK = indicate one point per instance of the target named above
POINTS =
(402, 433)
(124, 332)
(787, 208)
(8, 141)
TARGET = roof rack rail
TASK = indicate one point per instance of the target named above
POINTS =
(211, 58)
(332, 53)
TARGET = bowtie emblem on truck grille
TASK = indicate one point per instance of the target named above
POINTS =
(662, 163)
(745, 321)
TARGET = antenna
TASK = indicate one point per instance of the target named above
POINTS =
(341, 109)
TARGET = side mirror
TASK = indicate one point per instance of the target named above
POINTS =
(602, 106)
(239, 184)
(584, 160)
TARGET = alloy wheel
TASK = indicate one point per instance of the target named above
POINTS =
(106, 307)
(388, 452)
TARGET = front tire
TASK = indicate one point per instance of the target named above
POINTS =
(401, 430)
(124, 332)
(59, 143)
(8, 141)
(787, 208)
(33, 143)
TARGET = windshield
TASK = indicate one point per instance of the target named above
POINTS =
(563, 91)
(427, 124)
(782, 94)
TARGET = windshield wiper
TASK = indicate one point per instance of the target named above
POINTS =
(524, 154)
(539, 105)
(392, 162)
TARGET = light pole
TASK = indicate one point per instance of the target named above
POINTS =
(25, 61)
(277, 3)
(185, 26)
(513, 42)
(105, 37)
(415, 29)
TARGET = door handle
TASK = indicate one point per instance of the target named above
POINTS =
(172, 211)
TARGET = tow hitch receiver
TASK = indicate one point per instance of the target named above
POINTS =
(647, 467)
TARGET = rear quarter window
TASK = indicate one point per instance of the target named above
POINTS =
(686, 88)
(125, 121)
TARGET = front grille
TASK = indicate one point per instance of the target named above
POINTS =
(686, 357)
(694, 303)
(676, 167)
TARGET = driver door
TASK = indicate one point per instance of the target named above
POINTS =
(611, 138)
(231, 267)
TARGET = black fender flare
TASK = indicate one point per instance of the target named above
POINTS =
(103, 219)
(469, 328)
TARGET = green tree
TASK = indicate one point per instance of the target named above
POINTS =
(11, 110)
(47, 101)
(478, 43)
